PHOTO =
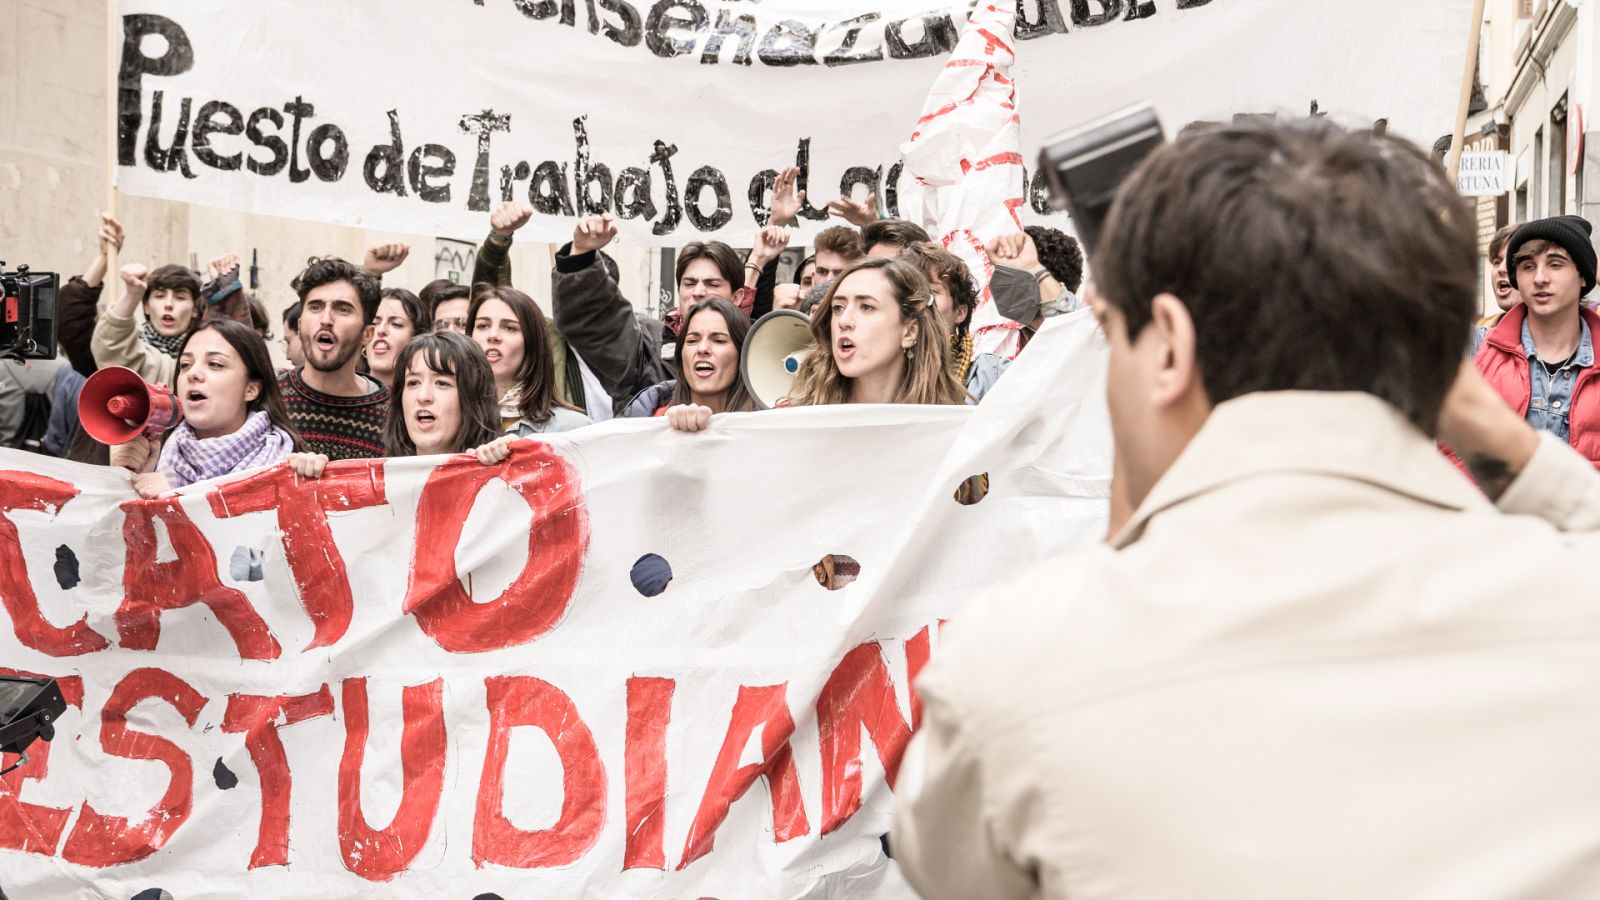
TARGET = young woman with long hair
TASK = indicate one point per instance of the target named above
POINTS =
(401, 316)
(510, 328)
(442, 403)
(708, 350)
(880, 339)
(234, 418)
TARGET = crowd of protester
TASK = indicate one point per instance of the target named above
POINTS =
(377, 369)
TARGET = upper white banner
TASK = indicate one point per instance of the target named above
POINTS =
(418, 116)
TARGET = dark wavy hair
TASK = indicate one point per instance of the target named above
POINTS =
(456, 355)
(898, 232)
(1060, 254)
(1284, 238)
(726, 259)
(252, 350)
(537, 375)
(421, 316)
(738, 398)
(329, 269)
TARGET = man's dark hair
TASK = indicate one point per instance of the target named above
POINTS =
(440, 291)
(291, 317)
(1497, 244)
(175, 278)
(898, 232)
(1060, 254)
(329, 269)
(1310, 257)
(724, 257)
(842, 240)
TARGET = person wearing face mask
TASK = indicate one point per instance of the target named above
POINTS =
(510, 328)
(234, 418)
(401, 316)
(708, 349)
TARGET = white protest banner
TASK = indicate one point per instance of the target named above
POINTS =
(431, 678)
(418, 116)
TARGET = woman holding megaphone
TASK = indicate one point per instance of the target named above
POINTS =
(708, 349)
(234, 418)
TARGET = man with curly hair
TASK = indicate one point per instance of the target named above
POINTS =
(1060, 253)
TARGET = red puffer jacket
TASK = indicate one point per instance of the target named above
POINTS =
(1505, 366)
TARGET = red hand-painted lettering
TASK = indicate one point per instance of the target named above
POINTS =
(100, 840)
(380, 854)
(859, 692)
(558, 537)
(523, 701)
(23, 490)
(260, 718)
(150, 587)
(765, 708)
(645, 752)
(303, 506)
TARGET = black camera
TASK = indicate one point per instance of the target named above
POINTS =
(1085, 165)
(27, 313)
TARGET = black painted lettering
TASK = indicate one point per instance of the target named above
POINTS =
(848, 52)
(271, 142)
(669, 16)
(861, 175)
(707, 177)
(586, 175)
(1083, 18)
(729, 25)
(789, 43)
(178, 59)
(760, 188)
(939, 36)
(802, 161)
(390, 158)
(482, 126)
(299, 110)
(1048, 22)
(547, 193)
(633, 194)
(1139, 9)
(206, 124)
(428, 162)
(510, 176)
(674, 214)
(177, 156)
(891, 191)
(629, 33)
(1039, 194)
(329, 165)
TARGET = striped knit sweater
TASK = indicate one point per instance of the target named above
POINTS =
(338, 427)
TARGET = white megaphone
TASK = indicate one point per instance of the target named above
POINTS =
(774, 350)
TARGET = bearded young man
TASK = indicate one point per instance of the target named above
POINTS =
(1315, 662)
(339, 411)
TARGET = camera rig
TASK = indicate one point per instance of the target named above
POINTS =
(27, 313)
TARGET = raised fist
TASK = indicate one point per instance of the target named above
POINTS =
(383, 258)
(593, 233)
(508, 217)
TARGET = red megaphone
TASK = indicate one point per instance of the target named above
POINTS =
(116, 405)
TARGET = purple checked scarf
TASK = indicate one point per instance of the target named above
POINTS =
(257, 444)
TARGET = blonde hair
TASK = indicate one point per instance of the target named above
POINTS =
(926, 378)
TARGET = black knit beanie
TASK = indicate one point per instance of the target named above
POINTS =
(1571, 233)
